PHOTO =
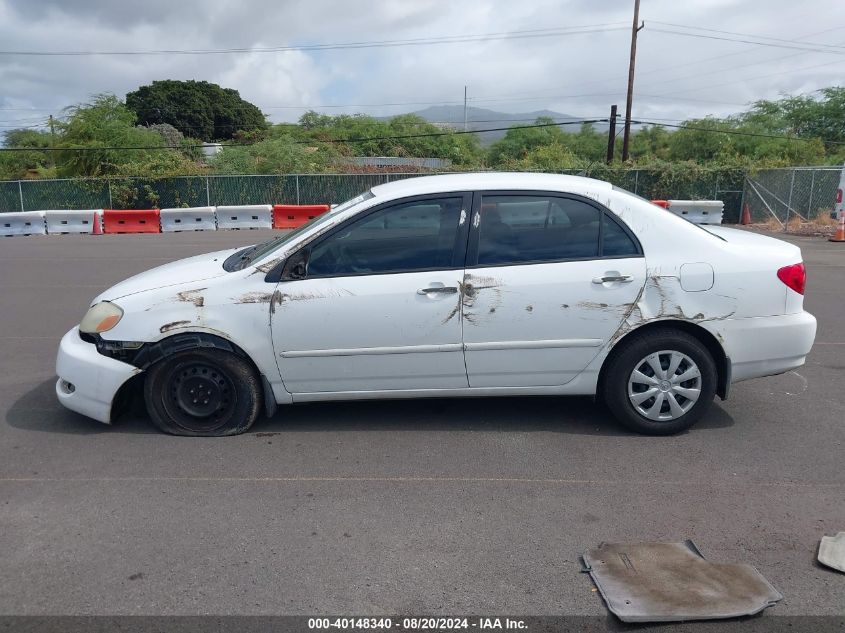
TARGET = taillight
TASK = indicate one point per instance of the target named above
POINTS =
(794, 276)
(838, 196)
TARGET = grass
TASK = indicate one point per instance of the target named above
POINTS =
(822, 224)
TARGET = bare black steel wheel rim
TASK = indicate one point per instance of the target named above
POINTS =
(664, 385)
(200, 397)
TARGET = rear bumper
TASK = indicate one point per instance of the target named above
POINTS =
(765, 346)
(88, 381)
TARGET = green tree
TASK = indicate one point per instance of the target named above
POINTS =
(279, 155)
(821, 115)
(547, 158)
(367, 136)
(520, 140)
(106, 129)
(649, 143)
(587, 143)
(21, 164)
(196, 108)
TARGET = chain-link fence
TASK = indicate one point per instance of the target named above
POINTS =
(796, 192)
(144, 193)
(187, 191)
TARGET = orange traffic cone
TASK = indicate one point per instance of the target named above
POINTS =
(98, 227)
(840, 230)
(746, 215)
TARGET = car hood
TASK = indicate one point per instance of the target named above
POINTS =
(175, 273)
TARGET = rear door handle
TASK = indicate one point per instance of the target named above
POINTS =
(448, 290)
(625, 279)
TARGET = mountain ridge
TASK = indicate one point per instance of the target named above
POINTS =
(482, 118)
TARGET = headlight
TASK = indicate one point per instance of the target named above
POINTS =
(100, 317)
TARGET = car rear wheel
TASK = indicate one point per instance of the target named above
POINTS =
(660, 382)
(205, 392)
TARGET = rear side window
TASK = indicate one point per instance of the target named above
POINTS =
(526, 229)
(521, 229)
(615, 241)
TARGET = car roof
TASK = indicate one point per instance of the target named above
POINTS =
(489, 180)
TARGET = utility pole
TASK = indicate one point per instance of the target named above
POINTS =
(611, 134)
(634, 30)
(52, 144)
(465, 108)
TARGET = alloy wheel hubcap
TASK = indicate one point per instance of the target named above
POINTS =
(664, 385)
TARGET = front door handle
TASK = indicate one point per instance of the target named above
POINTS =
(448, 290)
(625, 279)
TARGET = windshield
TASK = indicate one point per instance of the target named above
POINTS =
(246, 256)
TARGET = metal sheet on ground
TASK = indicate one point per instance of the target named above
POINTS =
(832, 551)
(671, 582)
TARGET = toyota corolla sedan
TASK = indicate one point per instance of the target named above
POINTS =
(474, 285)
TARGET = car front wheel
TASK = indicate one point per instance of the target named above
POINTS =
(661, 382)
(203, 392)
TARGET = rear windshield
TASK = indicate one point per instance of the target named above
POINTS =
(699, 227)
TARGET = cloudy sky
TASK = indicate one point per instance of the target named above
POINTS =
(567, 55)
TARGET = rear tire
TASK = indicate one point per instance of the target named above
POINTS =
(660, 382)
(203, 393)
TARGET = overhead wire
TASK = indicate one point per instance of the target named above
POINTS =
(448, 39)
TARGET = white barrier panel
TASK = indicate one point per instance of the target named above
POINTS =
(698, 211)
(188, 219)
(251, 216)
(22, 223)
(72, 220)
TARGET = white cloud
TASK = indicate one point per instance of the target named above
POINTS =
(576, 74)
(282, 79)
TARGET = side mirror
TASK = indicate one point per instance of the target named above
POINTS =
(296, 266)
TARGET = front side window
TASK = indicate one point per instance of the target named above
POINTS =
(531, 229)
(410, 236)
(251, 254)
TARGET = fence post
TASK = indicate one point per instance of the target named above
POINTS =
(789, 201)
(716, 188)
(296, 179)
(810, 203)
(108, 182)
(20, 193)
(207, 193)
(636, 181)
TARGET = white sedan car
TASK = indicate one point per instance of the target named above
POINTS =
(443, 286)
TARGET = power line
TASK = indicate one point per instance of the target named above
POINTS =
(308, 141)
(840, 51)
(754, 78)
(654, 122)
(487, 99)
(764, 37)
(736, 67)
(663, 69)
(735, 53)
(450, 39)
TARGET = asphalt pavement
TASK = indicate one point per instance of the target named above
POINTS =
(403, 507)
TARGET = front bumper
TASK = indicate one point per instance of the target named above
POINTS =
(88, 381)
(765, 346)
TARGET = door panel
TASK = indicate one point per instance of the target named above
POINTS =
(543, 291)
(542, 324)
(370, 333)
(379, 307)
